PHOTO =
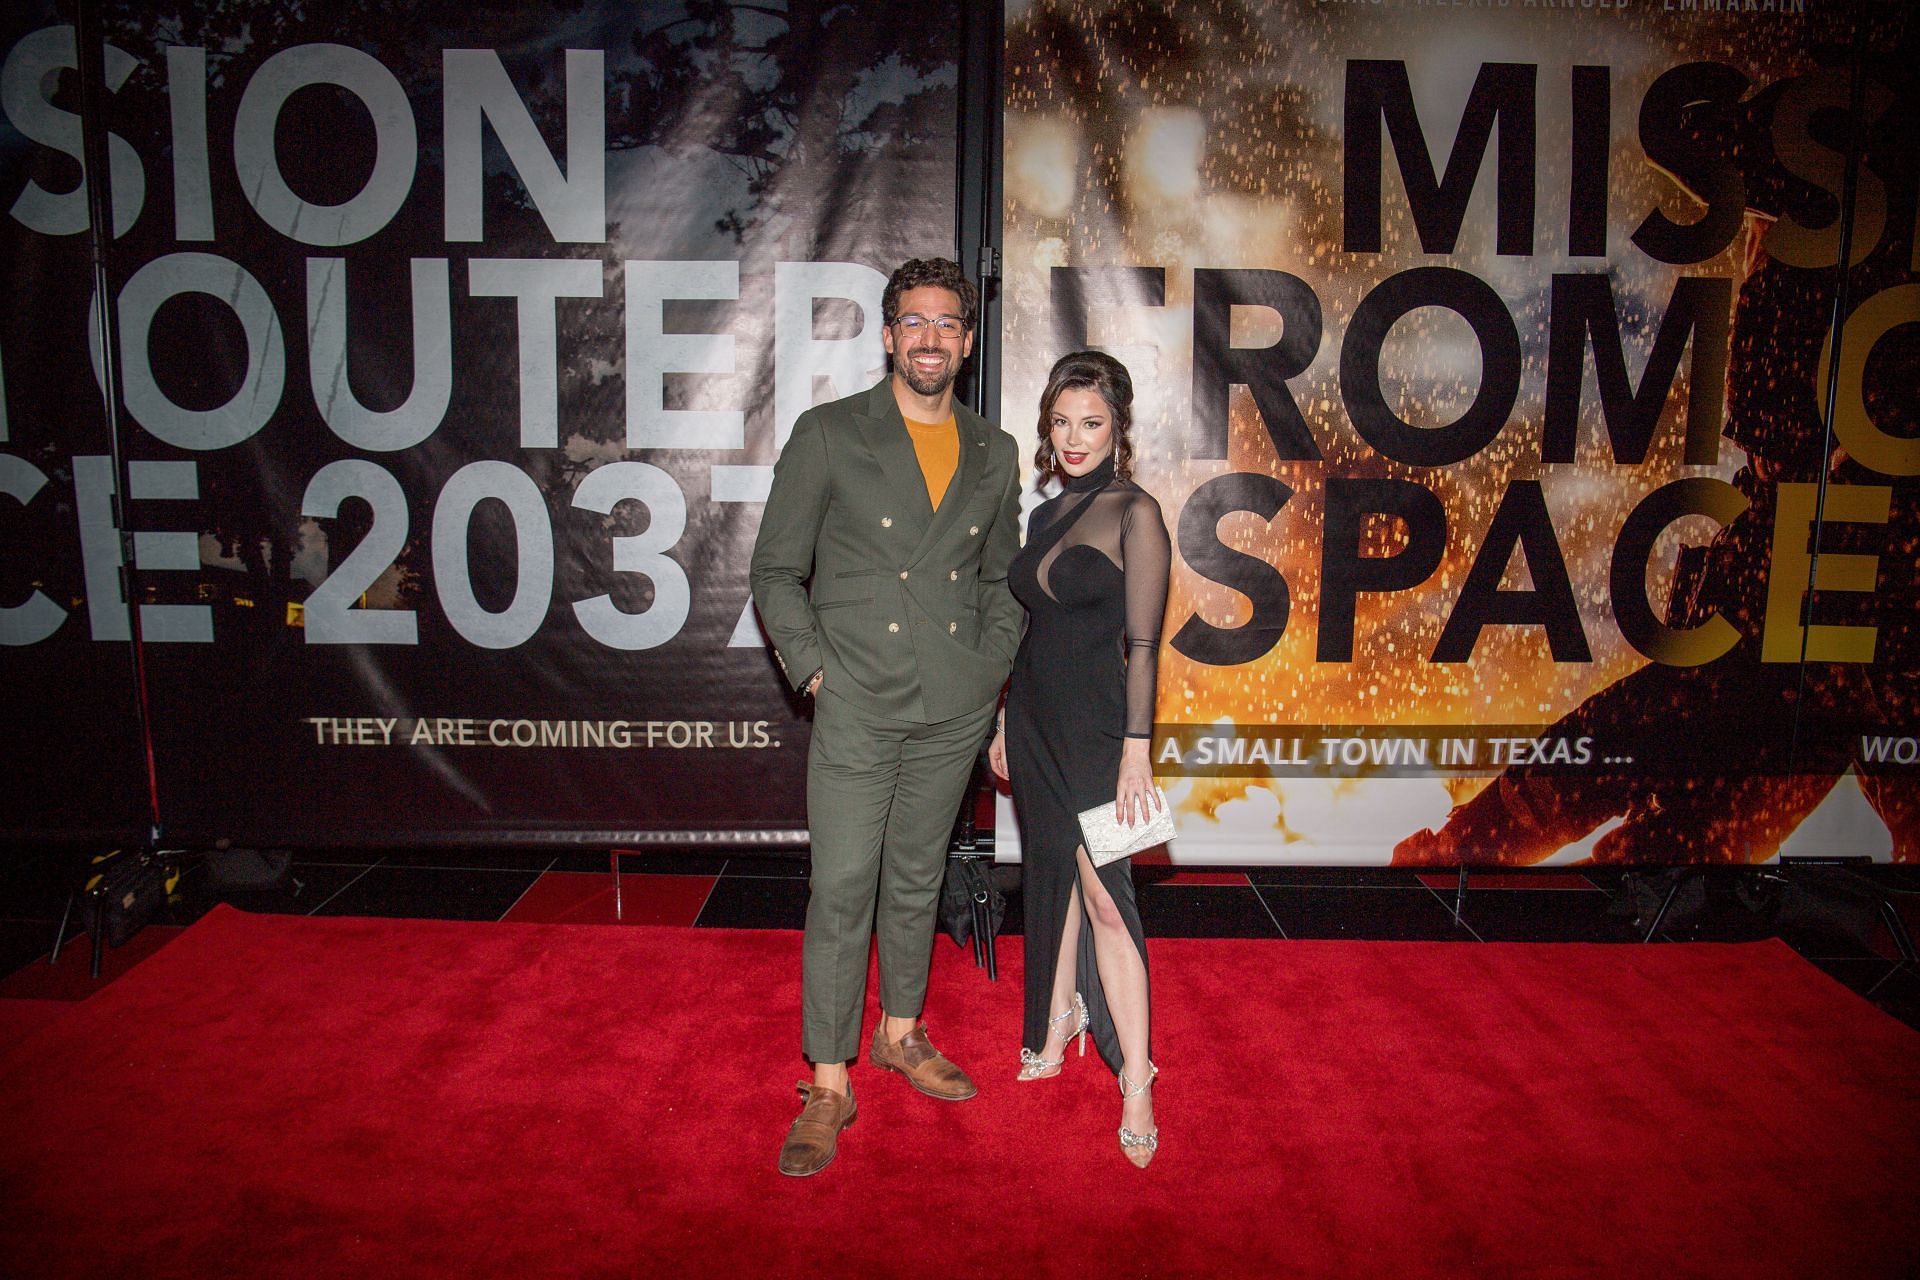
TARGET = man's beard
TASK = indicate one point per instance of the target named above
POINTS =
(903, 365)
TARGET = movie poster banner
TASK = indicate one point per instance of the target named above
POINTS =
(456, 343)
(1483, 353)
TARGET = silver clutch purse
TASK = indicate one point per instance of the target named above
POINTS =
(1108, 841)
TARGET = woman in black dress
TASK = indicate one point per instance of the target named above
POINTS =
(1076, 728)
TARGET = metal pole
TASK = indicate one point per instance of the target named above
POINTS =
(1836, 331)
(90, 42)
(978, 179)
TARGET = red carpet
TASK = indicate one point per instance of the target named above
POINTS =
(346, 1097)
(21, 1018)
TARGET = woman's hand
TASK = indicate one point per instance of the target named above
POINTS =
(997, 753)
(1134, 798)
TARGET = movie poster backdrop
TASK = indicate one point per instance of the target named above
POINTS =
(457, 342)
(1483, 352)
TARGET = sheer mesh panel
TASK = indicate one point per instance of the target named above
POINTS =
(1121, 522)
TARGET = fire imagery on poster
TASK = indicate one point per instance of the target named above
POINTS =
(1483, 355)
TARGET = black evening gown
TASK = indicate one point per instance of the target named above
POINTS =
(1093, 578)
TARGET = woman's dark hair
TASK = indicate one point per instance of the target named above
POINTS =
(1100, 373)
(940, 273)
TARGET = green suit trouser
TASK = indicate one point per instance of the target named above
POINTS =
(882, 796)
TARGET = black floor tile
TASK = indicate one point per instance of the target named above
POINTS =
(1899, 995)
(1833, 912)
(1204, 911)
(355, 857)
(755, 902)
(1395, 915)
(788, 867)
(429, 893)
(1811, 931)
(309, 885)
(1714, 926)
(451, 859)
(1831, 941)
(22, 942)
(641, 862)
(1858, 974)
(1334, 877)
(1818, 911)
(1545, 915)
(36, 887)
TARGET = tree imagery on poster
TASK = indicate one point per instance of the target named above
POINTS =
(1483, 353)
(456, 343)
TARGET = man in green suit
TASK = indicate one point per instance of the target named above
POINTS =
(880, 573)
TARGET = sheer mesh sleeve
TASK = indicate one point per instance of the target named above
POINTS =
(1147, 557)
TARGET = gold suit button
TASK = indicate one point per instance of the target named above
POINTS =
(953, 575)
(903, 575)
(952, 627)
(893, 626)
(886, 522)
(974, 531)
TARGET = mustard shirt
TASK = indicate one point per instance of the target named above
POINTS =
(937, 446)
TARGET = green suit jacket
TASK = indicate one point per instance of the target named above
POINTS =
(905, 607)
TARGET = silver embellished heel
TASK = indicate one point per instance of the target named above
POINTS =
(1138, 1147)
(1035, 1067)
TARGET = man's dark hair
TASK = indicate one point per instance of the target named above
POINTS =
(918, 273)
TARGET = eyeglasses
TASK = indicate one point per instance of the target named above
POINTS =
(945, 326)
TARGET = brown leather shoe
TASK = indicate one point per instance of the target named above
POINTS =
(810, 1142)
(925, 1068)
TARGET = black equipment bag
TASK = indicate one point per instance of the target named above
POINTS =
(124, 891)
(967, 890)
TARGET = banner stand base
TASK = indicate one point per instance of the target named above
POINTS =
(1818, 890)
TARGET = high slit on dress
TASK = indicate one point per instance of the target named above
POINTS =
(1093, 578)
